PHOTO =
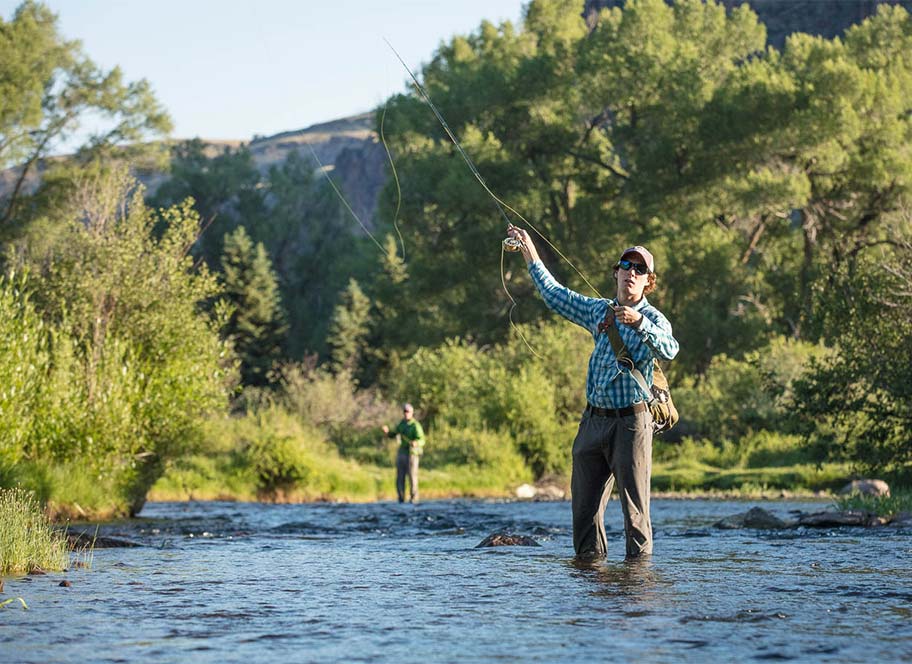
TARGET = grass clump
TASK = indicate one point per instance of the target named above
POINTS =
(28, 542)
(896, 503)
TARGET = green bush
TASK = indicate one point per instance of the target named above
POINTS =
(735, 397)
(127, 365)
(533, 400)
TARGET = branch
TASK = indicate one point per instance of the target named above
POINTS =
(755, 236)
(598, 162)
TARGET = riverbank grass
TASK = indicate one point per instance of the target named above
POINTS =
(27, 541)
(896, 503)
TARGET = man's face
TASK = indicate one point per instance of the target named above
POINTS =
(407, 413)
(630, 281)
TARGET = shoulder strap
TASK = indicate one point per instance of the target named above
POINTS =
(620, 351)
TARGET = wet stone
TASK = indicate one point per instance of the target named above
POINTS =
(65, 584)
(831, 519)
(756, 517)
(503, 539)
(84, 541)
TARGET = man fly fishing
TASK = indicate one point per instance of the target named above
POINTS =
(614, 441)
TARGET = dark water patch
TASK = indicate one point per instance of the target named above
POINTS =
(743, 616)
(774, 657)
(690, 644)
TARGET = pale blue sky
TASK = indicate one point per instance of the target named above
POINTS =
(231, 69)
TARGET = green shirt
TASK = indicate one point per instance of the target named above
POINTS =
(408, 431)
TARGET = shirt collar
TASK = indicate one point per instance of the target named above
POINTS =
(639, 305)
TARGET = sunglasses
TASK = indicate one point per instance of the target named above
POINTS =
(639, 268)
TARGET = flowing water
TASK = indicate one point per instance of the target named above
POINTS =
(230, 582)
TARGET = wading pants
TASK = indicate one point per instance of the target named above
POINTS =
(407, 464)
(610, 450)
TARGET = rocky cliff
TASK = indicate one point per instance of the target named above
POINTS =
(349, 151)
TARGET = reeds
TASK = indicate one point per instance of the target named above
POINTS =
(27, 540)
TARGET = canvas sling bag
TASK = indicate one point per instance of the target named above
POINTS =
(662, 408)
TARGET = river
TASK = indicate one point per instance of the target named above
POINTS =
(235, 582)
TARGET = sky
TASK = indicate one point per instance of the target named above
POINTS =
(232, 69)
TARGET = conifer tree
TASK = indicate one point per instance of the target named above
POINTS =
(349, 330)
(257, 326)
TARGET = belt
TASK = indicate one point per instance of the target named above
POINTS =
(638, 407)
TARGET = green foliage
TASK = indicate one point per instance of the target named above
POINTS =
(24, 361)
(279, 463)
(270, 454)
(736, 397)
(28, 541)
(48, 87)
(299, 221)
(504, 389)
(762, 463)
(133, 365)
(225, 187)
(896, 503)
(349, 330)
(856, 402)
(257, 324)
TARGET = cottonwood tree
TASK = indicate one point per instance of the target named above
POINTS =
(48, 87)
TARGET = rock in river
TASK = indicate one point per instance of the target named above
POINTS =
(755, 517)
(83, 541)
(830, 519)
(866, 488)
(503, 539)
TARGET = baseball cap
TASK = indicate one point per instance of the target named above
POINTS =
(643, 253)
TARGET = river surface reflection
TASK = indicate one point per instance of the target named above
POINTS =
(231, 582)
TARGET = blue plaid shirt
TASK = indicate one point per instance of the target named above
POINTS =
(607, 385)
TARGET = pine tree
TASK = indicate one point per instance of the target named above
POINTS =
(257, 325)
(349, 330)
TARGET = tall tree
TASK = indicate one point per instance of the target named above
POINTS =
(136, 364)
(257, 325)
(349, 330)
(47, 87)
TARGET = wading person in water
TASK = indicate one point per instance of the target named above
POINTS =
(614, 441)
(411, 443)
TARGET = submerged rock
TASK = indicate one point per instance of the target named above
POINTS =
(65, 584)
(84, 541)
(503, 539)
(866, 488)
(832, 519)
(756, 517)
